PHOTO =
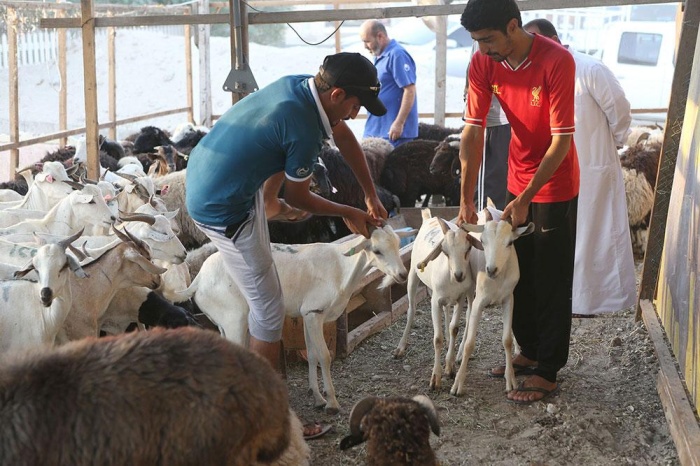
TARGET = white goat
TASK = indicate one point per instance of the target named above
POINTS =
(78, 209)
(48, 189)
(495, 283)
(317, 281)
(32, 313)
(440, 259)
(126, 265)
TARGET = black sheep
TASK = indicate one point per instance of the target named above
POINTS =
(435, 132)
(148, 138)
(407, 173)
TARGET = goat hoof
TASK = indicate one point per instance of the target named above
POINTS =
(332, 410)
(399, 353)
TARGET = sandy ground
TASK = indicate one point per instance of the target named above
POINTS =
(608, 411)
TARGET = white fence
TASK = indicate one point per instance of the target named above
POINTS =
(41, 46)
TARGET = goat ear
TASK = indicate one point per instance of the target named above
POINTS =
(22, 272)
(430, 412)
(357, 248)
(526, 230)
(406, 233)
(431, 256)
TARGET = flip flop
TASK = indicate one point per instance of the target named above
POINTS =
(290, 214)
(323, 430)
(519, 370)
(547, 393)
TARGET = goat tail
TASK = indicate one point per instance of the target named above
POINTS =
(186, 294)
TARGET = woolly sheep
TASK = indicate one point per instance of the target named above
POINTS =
(175, 397)
(397, 430)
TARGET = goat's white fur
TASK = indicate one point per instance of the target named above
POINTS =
(440, 259)
(495, 283)
(317, 281)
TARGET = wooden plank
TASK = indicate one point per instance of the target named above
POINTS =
(440, 70)
(677, 408)
(13, 96)
(90, 89)
(63, 76)
(309, 16)
(204, 34)
(355, 302)
(112, 82)
(669, 153)
(374, 325)
(72, 132)
(188, 73)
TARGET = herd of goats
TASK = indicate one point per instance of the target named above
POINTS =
(87, 258)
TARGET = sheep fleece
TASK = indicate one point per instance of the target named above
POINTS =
(163, 397)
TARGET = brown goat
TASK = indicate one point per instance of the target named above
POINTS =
(172, 397)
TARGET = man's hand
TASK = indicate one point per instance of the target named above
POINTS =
(467, 213)
(395, 131)
(376, 209)
(357, 221)
(516, 211)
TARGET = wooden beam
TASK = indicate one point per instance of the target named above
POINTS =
(669, 153)
(188, 73)
(310, 16)
(72, 132)
(90, 89)
(203, 34)
(111, 82)
(440, 70)
(677, 408)
(13, 96)
(63, 77)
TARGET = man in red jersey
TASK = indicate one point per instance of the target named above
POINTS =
(533, 78)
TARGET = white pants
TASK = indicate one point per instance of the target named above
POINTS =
(248, 259)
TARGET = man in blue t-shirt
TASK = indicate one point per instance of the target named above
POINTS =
(397, 75)
(270, 137)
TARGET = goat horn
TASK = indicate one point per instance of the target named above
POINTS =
(137, 217)
(28, 167)
(87, 180)
(74, 184)
(429, 409)
(64, 243)
(152, 201)
(77, 252)
(127, 176)
(361, 408)
(120, 235)
(140, 245)
(443, 225)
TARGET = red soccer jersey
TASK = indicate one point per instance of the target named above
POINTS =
(538, 99)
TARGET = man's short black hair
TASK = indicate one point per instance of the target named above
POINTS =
(545, 27)
(490, 14)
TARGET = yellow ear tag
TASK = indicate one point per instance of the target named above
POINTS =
(421, 266)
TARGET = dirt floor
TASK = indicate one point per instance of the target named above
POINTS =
(608, 411)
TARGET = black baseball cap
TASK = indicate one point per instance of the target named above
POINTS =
(357, 75)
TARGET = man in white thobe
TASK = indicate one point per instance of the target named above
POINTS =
(604, 275)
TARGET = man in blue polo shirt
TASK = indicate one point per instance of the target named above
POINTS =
(270, 137)
(397, 75)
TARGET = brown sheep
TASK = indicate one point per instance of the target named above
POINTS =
(175, 397)
(397, 430)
